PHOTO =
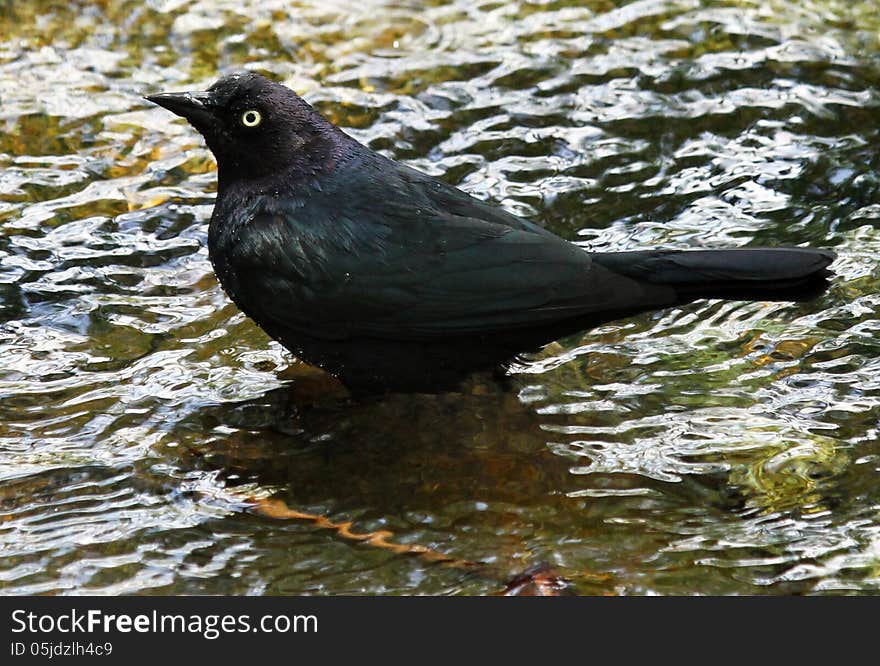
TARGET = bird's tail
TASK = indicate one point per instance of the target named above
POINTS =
(794, 274)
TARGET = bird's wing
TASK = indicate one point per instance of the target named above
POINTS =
(408, 272)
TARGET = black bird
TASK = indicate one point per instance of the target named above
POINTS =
(393, 280)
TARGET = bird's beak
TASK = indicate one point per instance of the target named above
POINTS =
(196, 107)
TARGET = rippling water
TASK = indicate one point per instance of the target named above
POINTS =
(721, 447)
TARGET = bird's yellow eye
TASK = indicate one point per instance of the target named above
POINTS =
(251, 118)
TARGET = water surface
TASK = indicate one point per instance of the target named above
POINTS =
(716, 448)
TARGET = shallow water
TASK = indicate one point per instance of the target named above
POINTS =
(717, 448)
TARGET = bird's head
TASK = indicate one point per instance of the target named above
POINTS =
(256, 128)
